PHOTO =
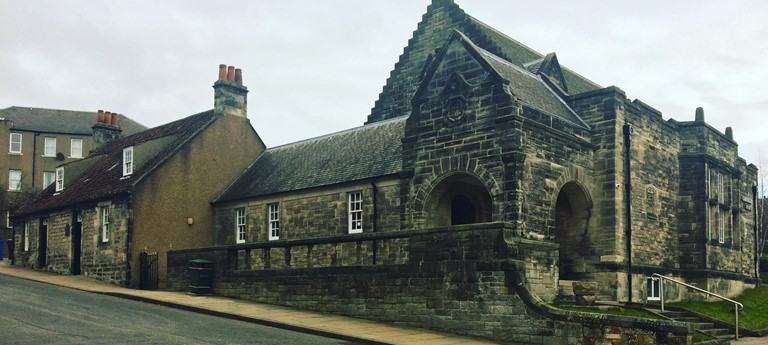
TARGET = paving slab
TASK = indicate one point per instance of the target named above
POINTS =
(335, 326)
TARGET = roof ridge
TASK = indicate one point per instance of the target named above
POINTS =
(341, 132)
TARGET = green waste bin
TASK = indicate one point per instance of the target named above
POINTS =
(200, 277)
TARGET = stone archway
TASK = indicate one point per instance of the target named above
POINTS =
(573, 211)
(458, 199)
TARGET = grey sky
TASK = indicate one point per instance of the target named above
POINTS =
(315, 67)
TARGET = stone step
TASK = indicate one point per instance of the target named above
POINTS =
(717, 332)
(689, 319)
(673, 314)
(703, 325)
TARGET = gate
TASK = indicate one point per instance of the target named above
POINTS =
(148, 271)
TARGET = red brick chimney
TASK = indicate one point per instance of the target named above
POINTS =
(229, 93)
(105, 129)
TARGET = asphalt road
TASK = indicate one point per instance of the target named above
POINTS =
(35, 313)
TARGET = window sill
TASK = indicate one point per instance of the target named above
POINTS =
(47, 156)
(15, 153)
(75, 157)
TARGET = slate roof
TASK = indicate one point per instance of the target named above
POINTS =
(530, 89)
(62, 121)
(441, 18)
(356, 154)
(519, 54)
(105, 178)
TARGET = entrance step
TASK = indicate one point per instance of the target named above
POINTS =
(565, 291)
(723, 335)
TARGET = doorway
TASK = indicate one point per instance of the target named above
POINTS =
(77, 242)
(458, 199)
(42, 248)
(572, 232)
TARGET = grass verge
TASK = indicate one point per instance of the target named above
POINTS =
(754, 316)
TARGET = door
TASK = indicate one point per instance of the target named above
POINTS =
(77, 243)
(42, 248)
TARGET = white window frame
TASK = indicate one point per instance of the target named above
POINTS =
(8, 219)
(128, 161)
(76, 153)
(273, 214)
(16, 141)
(26, 236)
(653, 285)
(721, 226)
(49, 177)
(59, 179)
(240, 225)
(50, 147)
(105, 224)
(720, 188)
(355, 212)
(14, 184)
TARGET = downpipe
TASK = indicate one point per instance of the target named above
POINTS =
(628, 131)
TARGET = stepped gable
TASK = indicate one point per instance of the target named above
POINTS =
(61, 121)
(105, 177)
(356, 154)
(437, 24)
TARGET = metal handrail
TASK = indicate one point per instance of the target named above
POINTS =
(737, 306)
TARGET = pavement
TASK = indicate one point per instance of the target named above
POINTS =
(332, 326)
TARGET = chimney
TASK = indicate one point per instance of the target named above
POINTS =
(229, 94)
(105, 129)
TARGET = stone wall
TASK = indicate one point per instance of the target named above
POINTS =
(105, 261)
(461, 280)
(321, 212)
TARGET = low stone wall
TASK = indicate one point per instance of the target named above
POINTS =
(462, 280)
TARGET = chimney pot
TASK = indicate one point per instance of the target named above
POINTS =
(114, 120)
(729, 133)
(231, 73)
(107, 117)
(239, 76)
(222, 72)
(100, 116)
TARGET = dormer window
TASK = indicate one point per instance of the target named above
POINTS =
(59, 179)
(128, 161)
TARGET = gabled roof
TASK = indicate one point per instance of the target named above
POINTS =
(356, 154)
(104, 178)
(528, 88)
(532, 91)
(442, 17)
(62, 121)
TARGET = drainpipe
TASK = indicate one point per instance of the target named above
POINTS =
(628, 131)
(128, 241)
(375, 221)
(756, 234)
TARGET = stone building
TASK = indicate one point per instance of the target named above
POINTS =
(39, 140)
(474, 127)
(144, 193)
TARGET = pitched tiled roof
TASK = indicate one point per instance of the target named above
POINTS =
(62, 121)
(105, 178)
(355, 154)
(532, 90)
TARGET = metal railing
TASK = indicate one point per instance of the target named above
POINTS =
(736, 305)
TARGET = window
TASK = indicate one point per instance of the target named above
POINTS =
(355, 212)
(720, 226)
(14, 180)
(720, 188)
(48, 178)
(59, 179)
(8, 219)
(274, 221)
(127, 161)
(26, 237)
(240, 225)
(76, 148)
(15, 146)
(50, 147)
(654, 286)
(105, 224)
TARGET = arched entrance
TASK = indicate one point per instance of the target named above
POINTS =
(458, 199)
(572, 232)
